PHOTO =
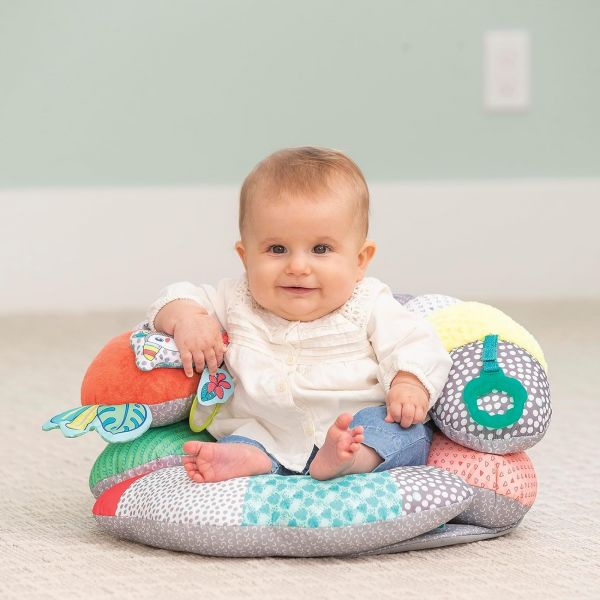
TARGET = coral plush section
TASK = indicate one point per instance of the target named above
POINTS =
(113, 378)
(510, 475)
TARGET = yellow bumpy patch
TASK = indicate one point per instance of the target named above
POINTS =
(466, 322)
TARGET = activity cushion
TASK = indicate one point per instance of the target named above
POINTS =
(477, 483)
(502, 489)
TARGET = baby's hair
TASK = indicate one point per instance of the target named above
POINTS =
(306, 170)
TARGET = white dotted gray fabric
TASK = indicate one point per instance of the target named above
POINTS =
(446, 535)
(172, 411)
(153, 465)
(450, 412)
(170, 496)
(490, 509)
(403, 298)
(253, 541)
(428, 303)
(425, 488)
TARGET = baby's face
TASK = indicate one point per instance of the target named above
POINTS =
(303, 258)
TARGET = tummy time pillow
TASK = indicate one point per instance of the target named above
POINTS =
(496, 402)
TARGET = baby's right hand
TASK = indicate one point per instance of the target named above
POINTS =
(196, 333)
(198, 338)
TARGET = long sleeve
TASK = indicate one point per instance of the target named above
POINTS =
(205, 295)
(403, 341)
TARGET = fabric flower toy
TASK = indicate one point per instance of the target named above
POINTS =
(213, 390)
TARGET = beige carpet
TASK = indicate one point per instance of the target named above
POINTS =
(51, 548)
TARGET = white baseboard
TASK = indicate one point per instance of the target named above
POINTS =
(102, 249)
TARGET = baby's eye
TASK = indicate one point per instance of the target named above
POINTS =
(321, 249)
(277, 249)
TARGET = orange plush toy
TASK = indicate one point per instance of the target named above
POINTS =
(124, 392)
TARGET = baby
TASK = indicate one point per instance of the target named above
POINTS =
(332, 375)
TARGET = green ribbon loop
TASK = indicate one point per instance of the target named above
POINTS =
(492, 378)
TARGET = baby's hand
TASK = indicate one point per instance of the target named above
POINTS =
(196, 333)
(198, 338)
(407, 401)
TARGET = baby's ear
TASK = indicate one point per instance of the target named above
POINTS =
(239, 248)
(365, 255)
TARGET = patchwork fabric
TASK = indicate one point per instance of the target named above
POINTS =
(450, 413)
(167, 510)
(304, 502)
(373, 538)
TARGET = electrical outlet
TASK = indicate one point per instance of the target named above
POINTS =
(507, 70)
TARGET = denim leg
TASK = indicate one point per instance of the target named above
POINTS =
(397, 446)
(276, 467)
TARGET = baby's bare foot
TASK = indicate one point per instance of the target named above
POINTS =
(207, 462)
(337, 455)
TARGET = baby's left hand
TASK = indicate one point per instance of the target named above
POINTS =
(407, 401)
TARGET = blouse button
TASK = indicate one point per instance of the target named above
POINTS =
(282, 387)
(291, 359)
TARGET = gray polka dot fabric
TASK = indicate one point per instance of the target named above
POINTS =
(428, 303)
(403, 298)
(450, 413)
(424, 488)
(154, 465)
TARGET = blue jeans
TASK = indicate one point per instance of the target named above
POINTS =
(397, 446)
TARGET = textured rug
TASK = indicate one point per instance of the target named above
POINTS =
(50, 546)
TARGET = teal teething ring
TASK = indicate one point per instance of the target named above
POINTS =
(492, 378)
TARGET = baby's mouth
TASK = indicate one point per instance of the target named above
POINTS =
(298, 290)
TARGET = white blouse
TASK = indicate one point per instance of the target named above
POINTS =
(293, 378)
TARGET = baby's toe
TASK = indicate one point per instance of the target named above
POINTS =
(343, 421)
(191, 447)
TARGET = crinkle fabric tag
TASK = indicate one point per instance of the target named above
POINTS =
(154, 350)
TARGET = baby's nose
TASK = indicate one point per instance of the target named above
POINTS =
(298, 263)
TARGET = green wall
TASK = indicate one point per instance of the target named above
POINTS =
(123, 92)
